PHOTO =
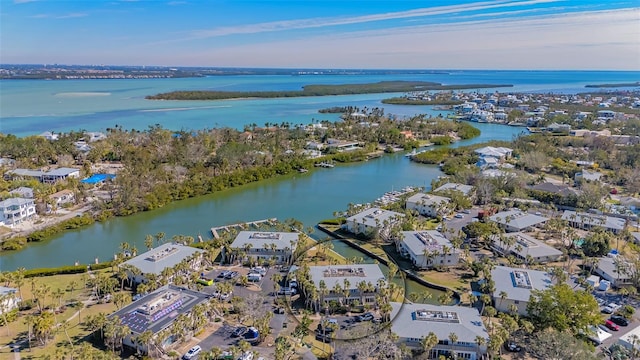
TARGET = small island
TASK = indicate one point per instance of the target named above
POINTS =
(629, 84)
(320, 90)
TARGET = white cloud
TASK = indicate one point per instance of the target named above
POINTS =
(335, 21)
(587, 40)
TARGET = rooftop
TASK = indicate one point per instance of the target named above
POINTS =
(465, 189)
(417, 320)
(518, 219)
(491, 151)
(164, 256)
(369, 217)
(608, 266)
(258, 239)
(428, 199)
(159, 309)
(518, 283)
(418, 241)
(15, 202)
(528, 246)
(604, 221)
(354, 274)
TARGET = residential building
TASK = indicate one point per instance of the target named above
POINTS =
(466, 190)
(557, 189)
(524, 247)
(615, 270)
(58, 174)
(588, 221)
(94, 136)
(631, 340)
(266, 245)
(62, 197)
(636, 237)
(342, 145)
(513, 286)
(163, 257)
(23, 192)
(499, 153)
(157, 311)
(413, 322)
(9, 299)
(516, 220)
(371, 220)
(427, 249)
(428, 205)
(587, 175)
(347, 283)
(14, 211)
(51, 136)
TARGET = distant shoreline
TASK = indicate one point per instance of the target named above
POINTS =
(631, 84)
(321, 90)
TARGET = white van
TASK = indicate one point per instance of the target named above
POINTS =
(254, 277)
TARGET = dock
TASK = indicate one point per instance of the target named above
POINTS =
(245, 225)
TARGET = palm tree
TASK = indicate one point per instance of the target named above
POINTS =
(503, 295)
(480, 341)
(428, 342)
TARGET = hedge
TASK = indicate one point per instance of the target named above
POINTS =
(74, 269)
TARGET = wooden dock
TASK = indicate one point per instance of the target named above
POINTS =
(214, 230)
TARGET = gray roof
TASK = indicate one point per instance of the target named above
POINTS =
(590, 175)
(607, 265)
(61, 171)
(564, 190)
(23, 191)
(26, 172)
(428, 199)
(491, 151)
(417, 320)
(259, 238)
(518, 283)
(604, 221)
(157, 310)
(417, 241)
(7, 290)
(636, 236)
(369, 216)
(465, 189)
(518, 219)
(164, 256)
(15, 202)
(336, 274)
(530, 246)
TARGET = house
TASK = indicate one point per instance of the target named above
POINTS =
(466, 190)
(588, 175)
(156, 312)
(266, 245)
(371, 220)
(427, 249)
(555, 127)
(14, 211)
(487, 163)
(588, 221)
(428, 205)
(557, 189)
(342, 145)
(413, 322)
(25, 174)
(615, 270)
(94, 136)
(517, 220)
(9, 299)
(50, 135)
(524, 247)
(23, 192)
(499, 153)
(60, 174)
(636, 237)
(163, 257)
(62, 197)
(347, 283)
(631, 340)
(513, 286)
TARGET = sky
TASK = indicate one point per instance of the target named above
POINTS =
(346, 34)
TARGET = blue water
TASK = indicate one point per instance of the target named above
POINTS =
(29, 107)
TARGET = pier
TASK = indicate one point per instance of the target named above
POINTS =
(214, 230)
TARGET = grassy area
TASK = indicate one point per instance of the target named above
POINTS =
(450, 279)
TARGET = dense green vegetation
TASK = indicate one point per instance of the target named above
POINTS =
(318, 90)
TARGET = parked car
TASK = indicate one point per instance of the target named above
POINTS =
(608, 310)
(611, 325)
(459, 216)
(259, 270)
(619, 320)
(246, 356)
(225, 296)
(513, 347)
(287, 291)
(231, 275)
(223, 274)
(252, 335)
(192, 353)
(239, 331)
(365, 317)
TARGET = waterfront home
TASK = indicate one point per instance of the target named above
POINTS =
(558, 128)
(371, 220)
(524, 248)
(165, 256)
(588, 221)
(51, 136)
(62, 197)
(263, 246)
(23, 192)
(50, 177)
(588, 175)
(342, 145)
(94, 136)
(499, 153)
(487, 163)
(427, 249)
(513, 286)
(517, 220)
(158, 311)
(615, 269)
(428, 205)
(466, 190)
(413, 322)
(347, 283)
(9, 299)
(14, 211)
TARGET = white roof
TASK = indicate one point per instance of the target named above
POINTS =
(493, 151)
(164, 256)
(418, 241)
(528, 246)
(465, 189)
(418, 320)
(627, 339)
(428, 199)
(604, 221)
(518, 219)
(258, 239)
(336, 274)
(518, 283)
(369, 216)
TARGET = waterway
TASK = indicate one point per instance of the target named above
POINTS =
(308, 197)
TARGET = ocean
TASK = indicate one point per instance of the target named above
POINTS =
(30, 107)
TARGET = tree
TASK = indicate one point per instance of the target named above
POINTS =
(559, 345)
(597, 243)
(562, 308)
(43, 326)
(428, 342)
